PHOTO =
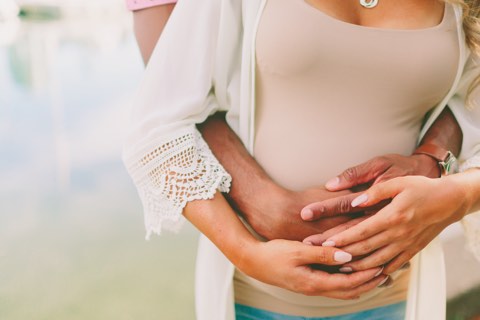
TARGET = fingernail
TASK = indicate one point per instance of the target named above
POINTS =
(328, 243)
(306, 214)
(379, 272)
(387, 284)
(405, 266)
(345, 269)
(360, 200)
(308, 242)
(332, 183)
(341, 256)
(383, 281)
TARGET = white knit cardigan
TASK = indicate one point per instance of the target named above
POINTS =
(205, 62)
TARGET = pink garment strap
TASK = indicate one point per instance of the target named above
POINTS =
(142, 4)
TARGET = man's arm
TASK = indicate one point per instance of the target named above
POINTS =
(271, 210)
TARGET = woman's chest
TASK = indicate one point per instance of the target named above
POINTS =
(300, 44)
(386, 14)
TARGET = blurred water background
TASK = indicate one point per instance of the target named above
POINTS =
(71, 228)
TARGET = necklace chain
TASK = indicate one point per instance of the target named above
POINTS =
(369, 4)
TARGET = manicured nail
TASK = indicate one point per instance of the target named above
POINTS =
(328, 243)
(388, 283)
(360, 200)
(332, 183)
(306, 214)
(345, 269)
(383, 281)
(341, 256)
(379, 272)
(405, 266)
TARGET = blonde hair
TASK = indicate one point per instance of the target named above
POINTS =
(471, 22)
(471, 26)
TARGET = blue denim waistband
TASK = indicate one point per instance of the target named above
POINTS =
(389, 312)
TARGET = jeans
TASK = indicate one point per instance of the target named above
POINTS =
(389, 312)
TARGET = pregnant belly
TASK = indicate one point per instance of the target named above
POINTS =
(310, 152)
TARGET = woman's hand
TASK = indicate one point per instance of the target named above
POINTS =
(283, 263)
(419, 210)
(287, 264)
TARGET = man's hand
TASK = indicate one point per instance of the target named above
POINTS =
(273, 214)
(374, 171)
(384, 168)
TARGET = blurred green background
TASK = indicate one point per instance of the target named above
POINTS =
(71, 227)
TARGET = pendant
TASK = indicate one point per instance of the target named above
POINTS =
(369, 4)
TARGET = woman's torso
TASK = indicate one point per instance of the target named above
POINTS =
(330, 95)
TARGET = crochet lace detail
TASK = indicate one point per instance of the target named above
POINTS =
(471, 222)
(179, 170)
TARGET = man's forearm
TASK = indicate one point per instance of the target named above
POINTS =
(249, 178)
(271, 210)
(445, 132)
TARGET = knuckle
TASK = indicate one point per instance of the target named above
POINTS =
(298, 286)
(358, 266)
(381, 159)
(350, 174)
(363, 233)
(343, 206)
(398, 234)
(296, 255)
(403, 217)
(408, 233)
(308, 289)
(347, 285)
(323, 255)
(320, 209)
(394, 219)
(366, 247)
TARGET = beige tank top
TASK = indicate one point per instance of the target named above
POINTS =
(330, 95)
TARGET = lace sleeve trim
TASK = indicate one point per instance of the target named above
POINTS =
(179, 170)
(471, 222)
